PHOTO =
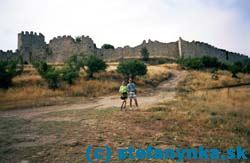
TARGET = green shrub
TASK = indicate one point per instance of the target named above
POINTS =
(8, 70)
(49, 73)
(224, 66)
(161, 61)
(71, 68)
(145, 54)
(42, 68)
(246, 67)
(202, 62)
(107, 46)
(52, 76)
(210, 62)
(69, 74)
(75, 62)
(132, 68)
(94, 64)
(191, 63)
(235, 68)
(78, 39)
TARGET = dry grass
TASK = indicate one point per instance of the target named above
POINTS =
(197, 80)
(189, 121)
(31, 92)
(28, 80)
(213, 118)
(92, 88)
(29, 89)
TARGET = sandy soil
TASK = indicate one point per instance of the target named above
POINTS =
(165, 91)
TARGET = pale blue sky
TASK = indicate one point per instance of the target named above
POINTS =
(222, 23)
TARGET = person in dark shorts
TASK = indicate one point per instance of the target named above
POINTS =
(124, 95)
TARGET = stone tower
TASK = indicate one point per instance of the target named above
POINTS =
(32, 46)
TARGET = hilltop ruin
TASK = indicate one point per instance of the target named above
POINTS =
(32, 47)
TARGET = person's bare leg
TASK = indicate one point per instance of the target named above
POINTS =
(125, 103)
(122, 105)
(130, 103)
(136, 103)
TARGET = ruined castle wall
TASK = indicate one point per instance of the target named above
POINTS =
(156, 50)
(234, 57)
(162, 50)
(64, 47)
(198, 49)
(119, 53)
(32, 46)
(9, 55)
(30, 39)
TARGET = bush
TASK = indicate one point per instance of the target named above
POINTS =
(132, 68)
(75, 62)
(8, 70)
(210, 62)
(108, 46)
(246, 67)
(201, 62)
(49, 73)
(70, 71)
(52, 76)
(236, 68)
(69, 74)
(94, 64)
(191, 63)
(78, 39)
(71, 68)
(42, 68)
(145, 54)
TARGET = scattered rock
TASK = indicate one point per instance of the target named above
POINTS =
(40, 153)
(71, 143)
(43, 153)
(24, 161)
(214, 77)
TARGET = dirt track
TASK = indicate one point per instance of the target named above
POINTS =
(165, 91)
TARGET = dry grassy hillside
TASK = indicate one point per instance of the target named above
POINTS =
(200, 80)
(195, 115)
(29, 89)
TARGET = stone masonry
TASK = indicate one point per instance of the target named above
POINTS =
(32, 47)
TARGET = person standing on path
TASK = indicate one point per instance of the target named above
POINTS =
(124, 95)
(132, 93)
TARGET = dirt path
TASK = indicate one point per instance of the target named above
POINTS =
(165, 91)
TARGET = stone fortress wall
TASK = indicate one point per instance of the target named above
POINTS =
(32, 47)
(197, 49)
(9, 55)
(156, 49)
(65, 46)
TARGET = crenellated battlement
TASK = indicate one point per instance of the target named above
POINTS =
(32, 46)
(30, 34)
(63, 47)
(61, 38)
(9, 55)
(30, 39)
